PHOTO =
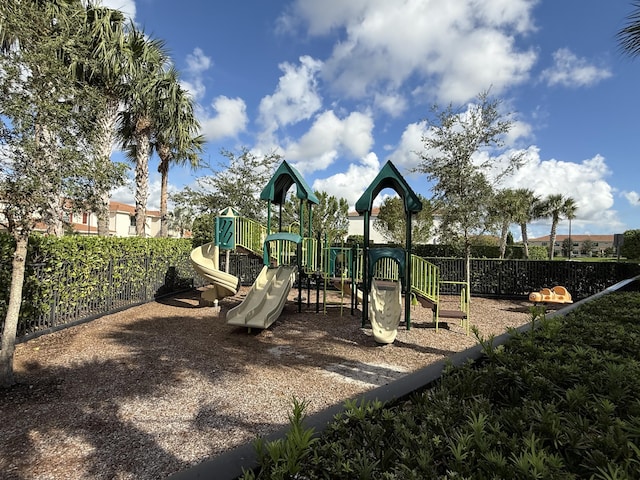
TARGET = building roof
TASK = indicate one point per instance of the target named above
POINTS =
(374, 213)
(576, 238)
(130, 209)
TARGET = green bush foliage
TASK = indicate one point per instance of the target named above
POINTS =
(631, 246)
(556, 402)
(202, 231)
(73, 276)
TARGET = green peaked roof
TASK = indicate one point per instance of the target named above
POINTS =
(280, 183)
(389, 177)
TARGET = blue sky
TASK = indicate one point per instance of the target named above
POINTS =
(339, 87)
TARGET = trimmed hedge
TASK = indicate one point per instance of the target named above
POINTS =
(70, 278)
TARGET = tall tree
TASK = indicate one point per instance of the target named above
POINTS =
(44, 136)
(105, 68)
(556, 206)
(181, 220)
(526, 210)
(391, 221)
(330, 217)
(235, 182)
(461, 186)
(587, 247)
(504, 208)
(137, 128)
(176, 139)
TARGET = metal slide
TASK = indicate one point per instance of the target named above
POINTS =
(205, 262)
(385, 310)
(265, 301)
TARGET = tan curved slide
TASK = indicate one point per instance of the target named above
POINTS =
(265, 301)
(205, 262)
(385, 310)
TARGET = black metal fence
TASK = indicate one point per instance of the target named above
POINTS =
(518, 278)
(56, 297)
(54, 300)
(245, 266)
(494, 277)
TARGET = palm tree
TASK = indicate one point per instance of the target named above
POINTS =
(181, 219)
(504, 208)
(555, 206)
(106, 70)
(526, 210)
(570, 213)
(629, 36)
(175, 135)
(149, 60)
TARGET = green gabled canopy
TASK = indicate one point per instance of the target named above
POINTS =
(279, 185)
(389, 177)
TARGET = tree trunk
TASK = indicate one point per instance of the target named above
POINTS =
(552, 238)
(52, 217)
(55, 225)
(7, 377)
(105, 141)
(503, 239)
(163, 169)
(467, 267)
(103, 214)
(525, 239)
(143, 149)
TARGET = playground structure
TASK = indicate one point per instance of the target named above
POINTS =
(206, 262)
(557, 294)
(376, 277)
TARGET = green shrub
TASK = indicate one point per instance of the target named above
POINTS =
(72, 276)
(559, 401)
(631, 246)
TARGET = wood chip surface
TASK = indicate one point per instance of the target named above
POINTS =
(157, 388)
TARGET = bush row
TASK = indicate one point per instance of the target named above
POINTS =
(558, 402)
(71, 277)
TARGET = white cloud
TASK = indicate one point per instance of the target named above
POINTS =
(328, 138)
(406, 153)
(464, 47)
(351, 184)
(391, 103)
(632, 197)
(224, 117)
(197, 64)
(519, 131)
(569, 70)
(585, 182)
(230, 118)
(128, 7)
(296, 97)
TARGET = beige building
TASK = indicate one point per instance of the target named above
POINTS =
(599, 244)
(356, 226)
(122, 221)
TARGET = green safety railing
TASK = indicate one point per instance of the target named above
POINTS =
(250, 234)
(425, 276)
